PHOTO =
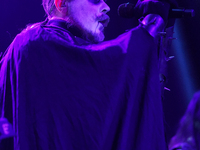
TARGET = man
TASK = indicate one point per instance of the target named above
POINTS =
(70, 90)
(89, 16)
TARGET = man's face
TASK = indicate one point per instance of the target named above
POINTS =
(90, 16)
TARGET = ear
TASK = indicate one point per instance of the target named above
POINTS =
(60, 5)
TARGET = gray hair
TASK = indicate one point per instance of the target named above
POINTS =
(49, 7)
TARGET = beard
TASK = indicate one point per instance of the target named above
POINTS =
(92, 36)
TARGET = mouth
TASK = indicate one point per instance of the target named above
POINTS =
(104, 20)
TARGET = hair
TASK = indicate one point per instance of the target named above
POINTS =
(189, 128)
(49, 7)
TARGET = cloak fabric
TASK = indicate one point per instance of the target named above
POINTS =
(69, 94)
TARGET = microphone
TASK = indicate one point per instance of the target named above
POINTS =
(126, 10)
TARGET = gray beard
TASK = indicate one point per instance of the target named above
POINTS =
(93, 38)
(88, 35)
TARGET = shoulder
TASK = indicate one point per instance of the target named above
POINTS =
(23, 43)
(33, 33)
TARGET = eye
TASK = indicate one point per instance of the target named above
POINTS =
(95, 1)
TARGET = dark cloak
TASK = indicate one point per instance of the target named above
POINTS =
(68, 94)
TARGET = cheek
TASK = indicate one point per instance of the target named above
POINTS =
(88, 10)
(89, 18)
(86, 15)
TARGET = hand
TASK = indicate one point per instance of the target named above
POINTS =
(145, 7)
(162, 7)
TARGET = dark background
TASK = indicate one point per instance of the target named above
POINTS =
(183, 71)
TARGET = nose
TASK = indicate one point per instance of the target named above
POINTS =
(105, 8)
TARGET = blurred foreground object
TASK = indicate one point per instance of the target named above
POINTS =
(187, 136)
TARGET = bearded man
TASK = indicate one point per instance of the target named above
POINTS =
(72, 91)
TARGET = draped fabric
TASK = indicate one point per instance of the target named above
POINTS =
(68, 94)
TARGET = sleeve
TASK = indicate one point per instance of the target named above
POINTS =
(6, 111)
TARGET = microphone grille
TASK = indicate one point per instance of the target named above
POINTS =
(126, 10)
